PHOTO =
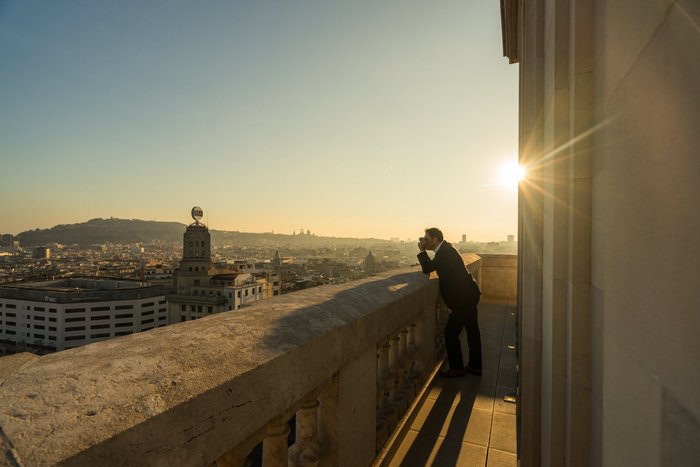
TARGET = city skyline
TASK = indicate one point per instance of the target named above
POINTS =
(359, 120)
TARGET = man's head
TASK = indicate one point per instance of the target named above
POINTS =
(433, 237)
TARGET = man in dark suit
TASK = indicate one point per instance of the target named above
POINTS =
(461, 295)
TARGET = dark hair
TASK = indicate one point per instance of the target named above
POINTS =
(434, 232)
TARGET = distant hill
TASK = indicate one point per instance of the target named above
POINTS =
(100, 231)
(97, 231)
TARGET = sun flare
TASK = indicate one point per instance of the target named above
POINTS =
(512, 174)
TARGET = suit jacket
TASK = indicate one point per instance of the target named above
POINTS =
(457, 287)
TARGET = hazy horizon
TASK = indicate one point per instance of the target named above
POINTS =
(357, 119)
(296, 232)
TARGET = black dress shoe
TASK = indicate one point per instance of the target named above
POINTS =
(472, 370)
(453, 373)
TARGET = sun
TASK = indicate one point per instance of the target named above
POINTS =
(511, 174)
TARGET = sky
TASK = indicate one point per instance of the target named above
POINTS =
(358, 118)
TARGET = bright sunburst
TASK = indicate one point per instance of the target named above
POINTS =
(511, 174)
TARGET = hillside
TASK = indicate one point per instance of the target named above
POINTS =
(100, 231)
(97, 231)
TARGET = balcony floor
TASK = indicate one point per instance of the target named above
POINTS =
(465, 421)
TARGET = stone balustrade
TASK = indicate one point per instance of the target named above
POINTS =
(344, 362)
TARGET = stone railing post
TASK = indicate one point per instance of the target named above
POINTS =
(305, 451)
(275, 443)
(384, 382)
(232, 459)
(397, 396)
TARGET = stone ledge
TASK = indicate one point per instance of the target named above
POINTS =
(179, 394)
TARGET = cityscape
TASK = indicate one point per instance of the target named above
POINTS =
(231, 271)
(350, 234)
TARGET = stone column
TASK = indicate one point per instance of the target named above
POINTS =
(232, 459)
(305, 451)
(413, 370)
(407, 387)
(397, 397)
(383, 380)
(275, 444)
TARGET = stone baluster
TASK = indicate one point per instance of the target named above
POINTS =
(384, 384)
(397, 396)
(305, 451)
(412, 356)
(275, 443)
(232, 459)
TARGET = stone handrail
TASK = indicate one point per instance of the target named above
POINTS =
(345, 359)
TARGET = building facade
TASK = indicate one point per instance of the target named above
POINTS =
(202, 290)
(609, 222)
(65, 313)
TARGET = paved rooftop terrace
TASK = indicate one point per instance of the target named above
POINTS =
(465, 421)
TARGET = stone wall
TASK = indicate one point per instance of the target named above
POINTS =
(609, 105)
(209, 390)
(499, 275)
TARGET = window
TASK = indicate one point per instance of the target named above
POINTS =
(183, 318)
(246, 292)
(99, 308)
(99, 318)
(74, 320)
(162, 310)
(10, 332)
(199, 308)
(161, 302)
(52, 328)
(11, 323)
(39, 326)
(161, 318)
(125, 315)
(209, 310)
(39, 336)
(11, 315)
(52, 338)
(74, 338)
(99, 326)
(52, 310)
(39, 318)
(123, 333)
(146, 305)
(122, 325)
(39, 308)
(11, 305)
(75, 328)
(183, 307)
(146, 321)
(124, 307)
(98, 336)
(75, 310)
(146, 313)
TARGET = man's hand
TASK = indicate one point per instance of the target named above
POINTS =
(421, 244)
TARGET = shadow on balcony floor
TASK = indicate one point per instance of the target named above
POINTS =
(465, 421)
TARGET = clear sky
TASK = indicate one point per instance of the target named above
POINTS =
(358, 118)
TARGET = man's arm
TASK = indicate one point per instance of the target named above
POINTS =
(426, 264)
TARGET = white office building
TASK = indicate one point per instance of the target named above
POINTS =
(67, 313)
